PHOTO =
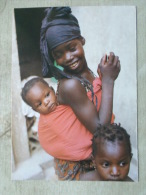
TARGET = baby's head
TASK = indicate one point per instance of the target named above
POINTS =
(37, 94)
(112, 152)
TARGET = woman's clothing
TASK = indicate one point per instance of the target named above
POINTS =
(63, 136)
(71, 170)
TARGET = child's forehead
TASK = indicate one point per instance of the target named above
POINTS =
(117, 147)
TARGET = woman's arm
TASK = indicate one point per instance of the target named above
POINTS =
(72, 93)
(109, 70)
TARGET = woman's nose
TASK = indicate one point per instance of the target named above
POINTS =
(115, 171)
(68, 56)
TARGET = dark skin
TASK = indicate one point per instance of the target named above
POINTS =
(112, 161)
(70, 56)
(94, 176)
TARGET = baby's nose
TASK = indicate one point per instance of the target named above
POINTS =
(46, 101)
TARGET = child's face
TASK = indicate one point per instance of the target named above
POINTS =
(42, 98)
(70, 55)
(112, 160)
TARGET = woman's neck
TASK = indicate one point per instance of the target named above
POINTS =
(88, 74)
(84, 73)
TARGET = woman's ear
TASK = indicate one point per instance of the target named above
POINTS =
(82, 40)
(131, 155)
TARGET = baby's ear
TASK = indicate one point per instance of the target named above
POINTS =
(52, 88)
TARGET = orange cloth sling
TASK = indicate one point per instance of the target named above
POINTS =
(63, 136)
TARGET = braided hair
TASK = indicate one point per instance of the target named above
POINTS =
(111, 133)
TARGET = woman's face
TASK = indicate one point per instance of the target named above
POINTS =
(112, 160)
(70, 55)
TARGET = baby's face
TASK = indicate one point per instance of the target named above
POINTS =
(112, 160)
(42, 98)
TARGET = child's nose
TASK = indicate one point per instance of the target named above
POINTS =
(115, 171)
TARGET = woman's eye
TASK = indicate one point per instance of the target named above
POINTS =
(105, 164)
(72, 49)
(122, 164)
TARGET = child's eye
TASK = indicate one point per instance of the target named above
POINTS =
(105, 164)
(122, 164)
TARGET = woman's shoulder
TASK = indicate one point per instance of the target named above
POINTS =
(67, 85)
(69, 91)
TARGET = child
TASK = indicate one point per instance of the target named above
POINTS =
(112, 154)
(61, 43)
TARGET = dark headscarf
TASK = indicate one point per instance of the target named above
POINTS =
(58, 26)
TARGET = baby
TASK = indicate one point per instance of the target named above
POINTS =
(37, 94)
(111, 153)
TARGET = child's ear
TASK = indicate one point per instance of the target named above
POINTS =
(93, 160)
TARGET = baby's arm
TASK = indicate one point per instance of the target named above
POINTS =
(72, 93)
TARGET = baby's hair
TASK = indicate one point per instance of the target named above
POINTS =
(113, 132)
(29, 85)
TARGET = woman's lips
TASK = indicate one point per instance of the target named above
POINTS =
(74, 65)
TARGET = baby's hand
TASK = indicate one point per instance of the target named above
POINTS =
(109, 67)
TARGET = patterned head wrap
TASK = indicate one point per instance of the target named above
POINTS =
(58, 27)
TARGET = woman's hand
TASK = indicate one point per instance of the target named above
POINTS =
(109, 67)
